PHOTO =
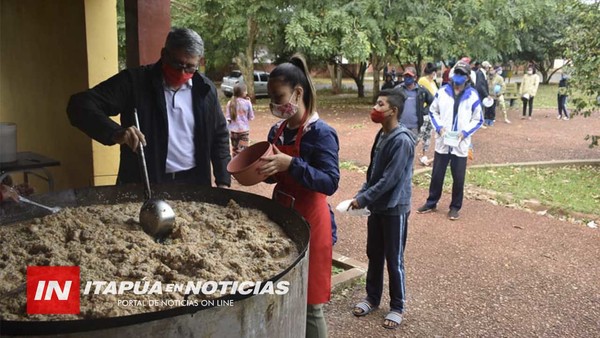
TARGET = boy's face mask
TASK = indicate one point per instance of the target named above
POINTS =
(378, 116)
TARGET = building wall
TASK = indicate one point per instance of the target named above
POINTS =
(48, 51)
(102, 57)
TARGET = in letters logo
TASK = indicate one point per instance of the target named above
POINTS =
(52, 290)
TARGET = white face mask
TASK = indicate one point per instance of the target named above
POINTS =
(530, 72)
(284, 111)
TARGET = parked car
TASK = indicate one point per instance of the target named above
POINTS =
(260, 82)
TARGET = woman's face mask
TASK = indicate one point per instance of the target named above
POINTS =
(284, 111)
(529, 71)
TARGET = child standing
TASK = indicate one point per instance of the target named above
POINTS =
(562, 98)
(387, 194)
(239, 113)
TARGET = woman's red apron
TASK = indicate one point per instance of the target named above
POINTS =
(313, 207)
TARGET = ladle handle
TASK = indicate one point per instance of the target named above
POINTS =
(147, 190)
(51, 209)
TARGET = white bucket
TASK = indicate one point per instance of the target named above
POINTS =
(8, 142)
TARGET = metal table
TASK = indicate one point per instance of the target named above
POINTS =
(30, 163)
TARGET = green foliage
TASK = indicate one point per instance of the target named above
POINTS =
(223, 24)
(582, 43)
(540, 33)
(372, 32)
(335, 270)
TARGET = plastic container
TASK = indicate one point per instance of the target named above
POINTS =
(244, 167)
(344, 207)
(487, 102)
(8, 142)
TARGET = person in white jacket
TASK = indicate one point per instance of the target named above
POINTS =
(455, 114)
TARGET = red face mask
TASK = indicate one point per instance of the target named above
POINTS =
(378, 116)
(175, 77)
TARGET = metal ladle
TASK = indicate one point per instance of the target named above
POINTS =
(157, 218)
(53, 210)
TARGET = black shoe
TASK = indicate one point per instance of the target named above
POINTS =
(453, 214)
(425, 209)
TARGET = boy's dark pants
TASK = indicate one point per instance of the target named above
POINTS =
(386, 239)
(458, 167)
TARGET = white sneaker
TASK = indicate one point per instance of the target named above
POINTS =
(558, 117)
(507, 121)
(566, 118)
(424, 160)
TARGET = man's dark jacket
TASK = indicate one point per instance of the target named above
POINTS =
(424, 100)
(481, 84)
(142, 88)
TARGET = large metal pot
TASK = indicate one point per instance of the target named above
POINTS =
(250, 316)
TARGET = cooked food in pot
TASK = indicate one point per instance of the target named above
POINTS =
(209, 243)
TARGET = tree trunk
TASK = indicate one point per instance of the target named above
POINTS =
(246, 61)
(543, 67)
(336, 77)
(358, 75)
(378, 64)
(558, 69)
(418, 65)
(362, 69)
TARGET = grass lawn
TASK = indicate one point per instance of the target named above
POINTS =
(546, 97)
(573, 188)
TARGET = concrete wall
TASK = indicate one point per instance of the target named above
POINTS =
(102, 57)
(48, 51)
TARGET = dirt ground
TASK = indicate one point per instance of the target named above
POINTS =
(496, 272)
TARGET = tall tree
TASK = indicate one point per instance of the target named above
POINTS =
(331, 33)
(540, 32)
(582, 43)
(233, 31)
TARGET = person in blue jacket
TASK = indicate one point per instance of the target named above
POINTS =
(387, 195)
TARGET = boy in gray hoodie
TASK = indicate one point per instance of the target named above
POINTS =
(387, 194)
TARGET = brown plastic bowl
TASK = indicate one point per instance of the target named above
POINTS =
(244, 167)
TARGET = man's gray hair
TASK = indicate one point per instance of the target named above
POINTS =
(185, 39)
